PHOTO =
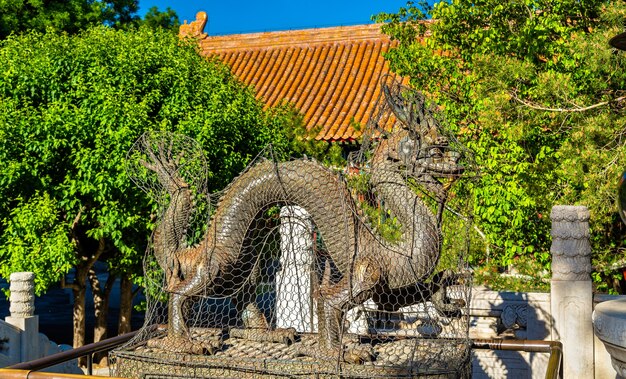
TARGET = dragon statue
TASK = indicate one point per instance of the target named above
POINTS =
(365, 266)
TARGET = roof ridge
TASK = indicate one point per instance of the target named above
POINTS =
(308, 37)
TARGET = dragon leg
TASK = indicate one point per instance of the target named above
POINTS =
(434, 291)
(338, 298)
(178, 337)
(443, 304)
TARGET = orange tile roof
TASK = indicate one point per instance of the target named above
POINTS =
(332, 75)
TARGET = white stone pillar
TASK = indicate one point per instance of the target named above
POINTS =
(571, 298)
(295, 304)
(22, 308)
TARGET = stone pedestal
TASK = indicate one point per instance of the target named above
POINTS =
(571, 307)
(571, 291)
(29, 337)
(609, 323)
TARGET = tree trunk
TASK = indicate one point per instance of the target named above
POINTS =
(79, 290)
(79, 286)
(78, 312)
(126, 304)
(101, 298)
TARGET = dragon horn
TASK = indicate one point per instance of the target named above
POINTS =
(398, 111)
(326, 276)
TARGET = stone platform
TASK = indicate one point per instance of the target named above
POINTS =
(239, 358)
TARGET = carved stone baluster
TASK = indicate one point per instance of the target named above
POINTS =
(571, 292)
(23, 316)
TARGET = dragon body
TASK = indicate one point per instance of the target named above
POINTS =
(392, 274)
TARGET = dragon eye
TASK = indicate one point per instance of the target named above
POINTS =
(406, 148)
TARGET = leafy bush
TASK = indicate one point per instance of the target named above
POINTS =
(70, 109)
(534, 90)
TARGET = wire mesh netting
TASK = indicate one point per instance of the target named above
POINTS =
(296, 269)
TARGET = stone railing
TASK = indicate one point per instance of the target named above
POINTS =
(20, 340)
(564, 314)
(496, 314)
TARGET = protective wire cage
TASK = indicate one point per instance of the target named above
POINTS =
(299, 270)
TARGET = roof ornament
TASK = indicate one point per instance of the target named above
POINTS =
(194, 29)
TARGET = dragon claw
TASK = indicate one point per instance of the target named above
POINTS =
(285, 336)
(289, 336)
(359, 354)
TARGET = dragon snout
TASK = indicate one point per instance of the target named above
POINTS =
(441, 141)
(436, 158)
(441, 161)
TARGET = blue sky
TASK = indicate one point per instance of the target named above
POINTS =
(245, 16)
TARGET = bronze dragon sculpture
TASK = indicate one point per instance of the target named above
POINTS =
(392, 274)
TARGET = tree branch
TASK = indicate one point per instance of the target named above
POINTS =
(92, 259)
(74, 226)
(108, 285)
(65, 284)
(569, 110)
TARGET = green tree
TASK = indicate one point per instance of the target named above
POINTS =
(72, 16)
(167, 19)
(297, 141)
(63, 15)
(119, 13)
(534, 89)
(70, 109)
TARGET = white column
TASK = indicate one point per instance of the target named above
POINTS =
(22, 310)
(571, 299)
(295, 305)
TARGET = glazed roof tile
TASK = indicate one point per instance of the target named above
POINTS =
(331, 75)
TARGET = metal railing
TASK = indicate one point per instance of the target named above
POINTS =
(555, 348)
(7, 373)
(84, 351)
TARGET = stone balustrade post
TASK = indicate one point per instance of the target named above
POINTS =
(571, 298)
(22, 309)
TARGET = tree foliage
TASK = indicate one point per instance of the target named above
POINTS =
(70, 109)
(534, 89)
(33, 237)
(72, 16)
(167, 19)
(298, 141)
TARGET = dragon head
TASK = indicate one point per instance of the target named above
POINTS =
(416, 145)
